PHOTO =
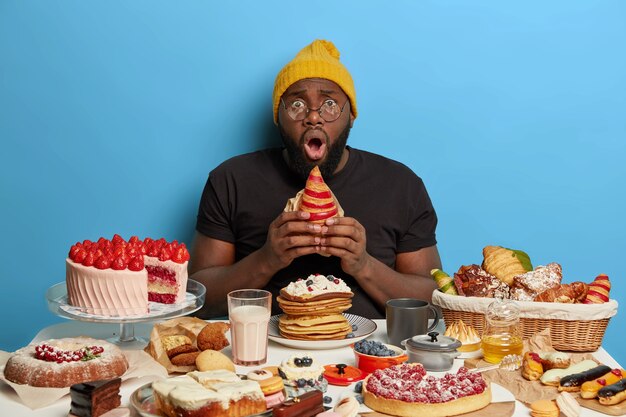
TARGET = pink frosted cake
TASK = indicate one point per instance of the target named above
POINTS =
(118, 278)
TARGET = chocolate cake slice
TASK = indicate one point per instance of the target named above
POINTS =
(92, 399)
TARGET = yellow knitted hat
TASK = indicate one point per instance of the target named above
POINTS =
(320, 59)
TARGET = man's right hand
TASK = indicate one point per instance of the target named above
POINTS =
(290, 236)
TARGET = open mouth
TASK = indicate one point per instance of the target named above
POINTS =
(315, 144)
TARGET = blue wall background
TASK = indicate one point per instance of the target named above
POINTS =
(113, 113)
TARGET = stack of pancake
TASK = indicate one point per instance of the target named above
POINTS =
(313, 308)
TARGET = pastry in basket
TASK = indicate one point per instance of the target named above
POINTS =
(466, 334)
(302, 373)
(505, 263)
(65, 362)
(527, 286)
(575, 292)
(316, 199)
(405, 390)
(598, 290)
(473, 281)
(589, 389)
(212, 393)
(444, 281)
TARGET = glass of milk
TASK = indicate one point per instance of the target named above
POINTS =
(249, 315)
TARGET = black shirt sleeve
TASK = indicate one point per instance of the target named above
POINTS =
(214, 219)
(422, 221)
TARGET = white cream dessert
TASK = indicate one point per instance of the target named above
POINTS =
(316, 285)
(211, 393)
(466, 334)
(302, 373)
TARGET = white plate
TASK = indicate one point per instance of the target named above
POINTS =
(364, 328)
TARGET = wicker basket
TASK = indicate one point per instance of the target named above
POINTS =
(573, 327)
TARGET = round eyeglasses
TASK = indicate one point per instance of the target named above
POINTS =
(329, 111)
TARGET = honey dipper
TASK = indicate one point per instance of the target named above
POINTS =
(508, 363)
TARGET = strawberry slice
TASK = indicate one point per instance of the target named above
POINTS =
(119, 263)
(103, 262)
(136, 264)
(89, 259)
(80, 256)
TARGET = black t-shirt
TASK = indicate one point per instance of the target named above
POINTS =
(246, 193)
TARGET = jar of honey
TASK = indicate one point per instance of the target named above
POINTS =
(502, 335)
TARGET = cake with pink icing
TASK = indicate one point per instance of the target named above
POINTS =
(117, 277)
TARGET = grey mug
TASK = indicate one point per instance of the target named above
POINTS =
(408, 317)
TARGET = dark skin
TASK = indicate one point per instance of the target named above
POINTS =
(290, 235)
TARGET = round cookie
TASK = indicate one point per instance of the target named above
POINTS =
(212, 336)
(210, 360)
(271, 385)
(185, 359)
(259, 375)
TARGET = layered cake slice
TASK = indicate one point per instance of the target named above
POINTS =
(211, 393)
(117, 277)
(92, 399)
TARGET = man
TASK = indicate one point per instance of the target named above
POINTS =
(383, 248)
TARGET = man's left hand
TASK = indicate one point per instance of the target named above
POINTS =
(345, 238)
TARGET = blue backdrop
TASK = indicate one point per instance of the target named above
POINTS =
(113, 113)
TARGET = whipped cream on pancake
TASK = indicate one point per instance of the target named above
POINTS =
(316, 285)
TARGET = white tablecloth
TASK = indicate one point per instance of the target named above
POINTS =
(10, 405)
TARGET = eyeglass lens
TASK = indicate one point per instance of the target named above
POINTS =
(329, 110)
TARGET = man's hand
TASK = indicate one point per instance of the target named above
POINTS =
(345, 238)
(290, 236)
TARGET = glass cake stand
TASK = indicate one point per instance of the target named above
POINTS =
(56, 296)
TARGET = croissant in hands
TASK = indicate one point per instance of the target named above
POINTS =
(316, 198)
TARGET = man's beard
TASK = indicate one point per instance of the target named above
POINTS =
(297, 156)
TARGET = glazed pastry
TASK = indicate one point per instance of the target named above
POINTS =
(308, 404)
(532, 368)
(504, 263)
(575, 292)
(574, 381)
(551, 360)
(473, 281)
(598, 290)
(553, 376)
(568, 405)
(613, 394)
(444, 281)
(466, 334)
(590, 388)
(529, 285)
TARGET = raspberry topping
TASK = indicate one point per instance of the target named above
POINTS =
(617, 372)
(409, 383)
(52, 354)
(119, 254)
(602, 381)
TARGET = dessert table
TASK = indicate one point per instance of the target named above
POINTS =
(11, 406)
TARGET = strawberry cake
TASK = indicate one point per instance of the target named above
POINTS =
(405, 390)
(117, 277)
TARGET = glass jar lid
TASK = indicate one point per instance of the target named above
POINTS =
(433, 342)
(503, 310)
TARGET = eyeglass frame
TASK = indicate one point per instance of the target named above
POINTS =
(318, 110)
